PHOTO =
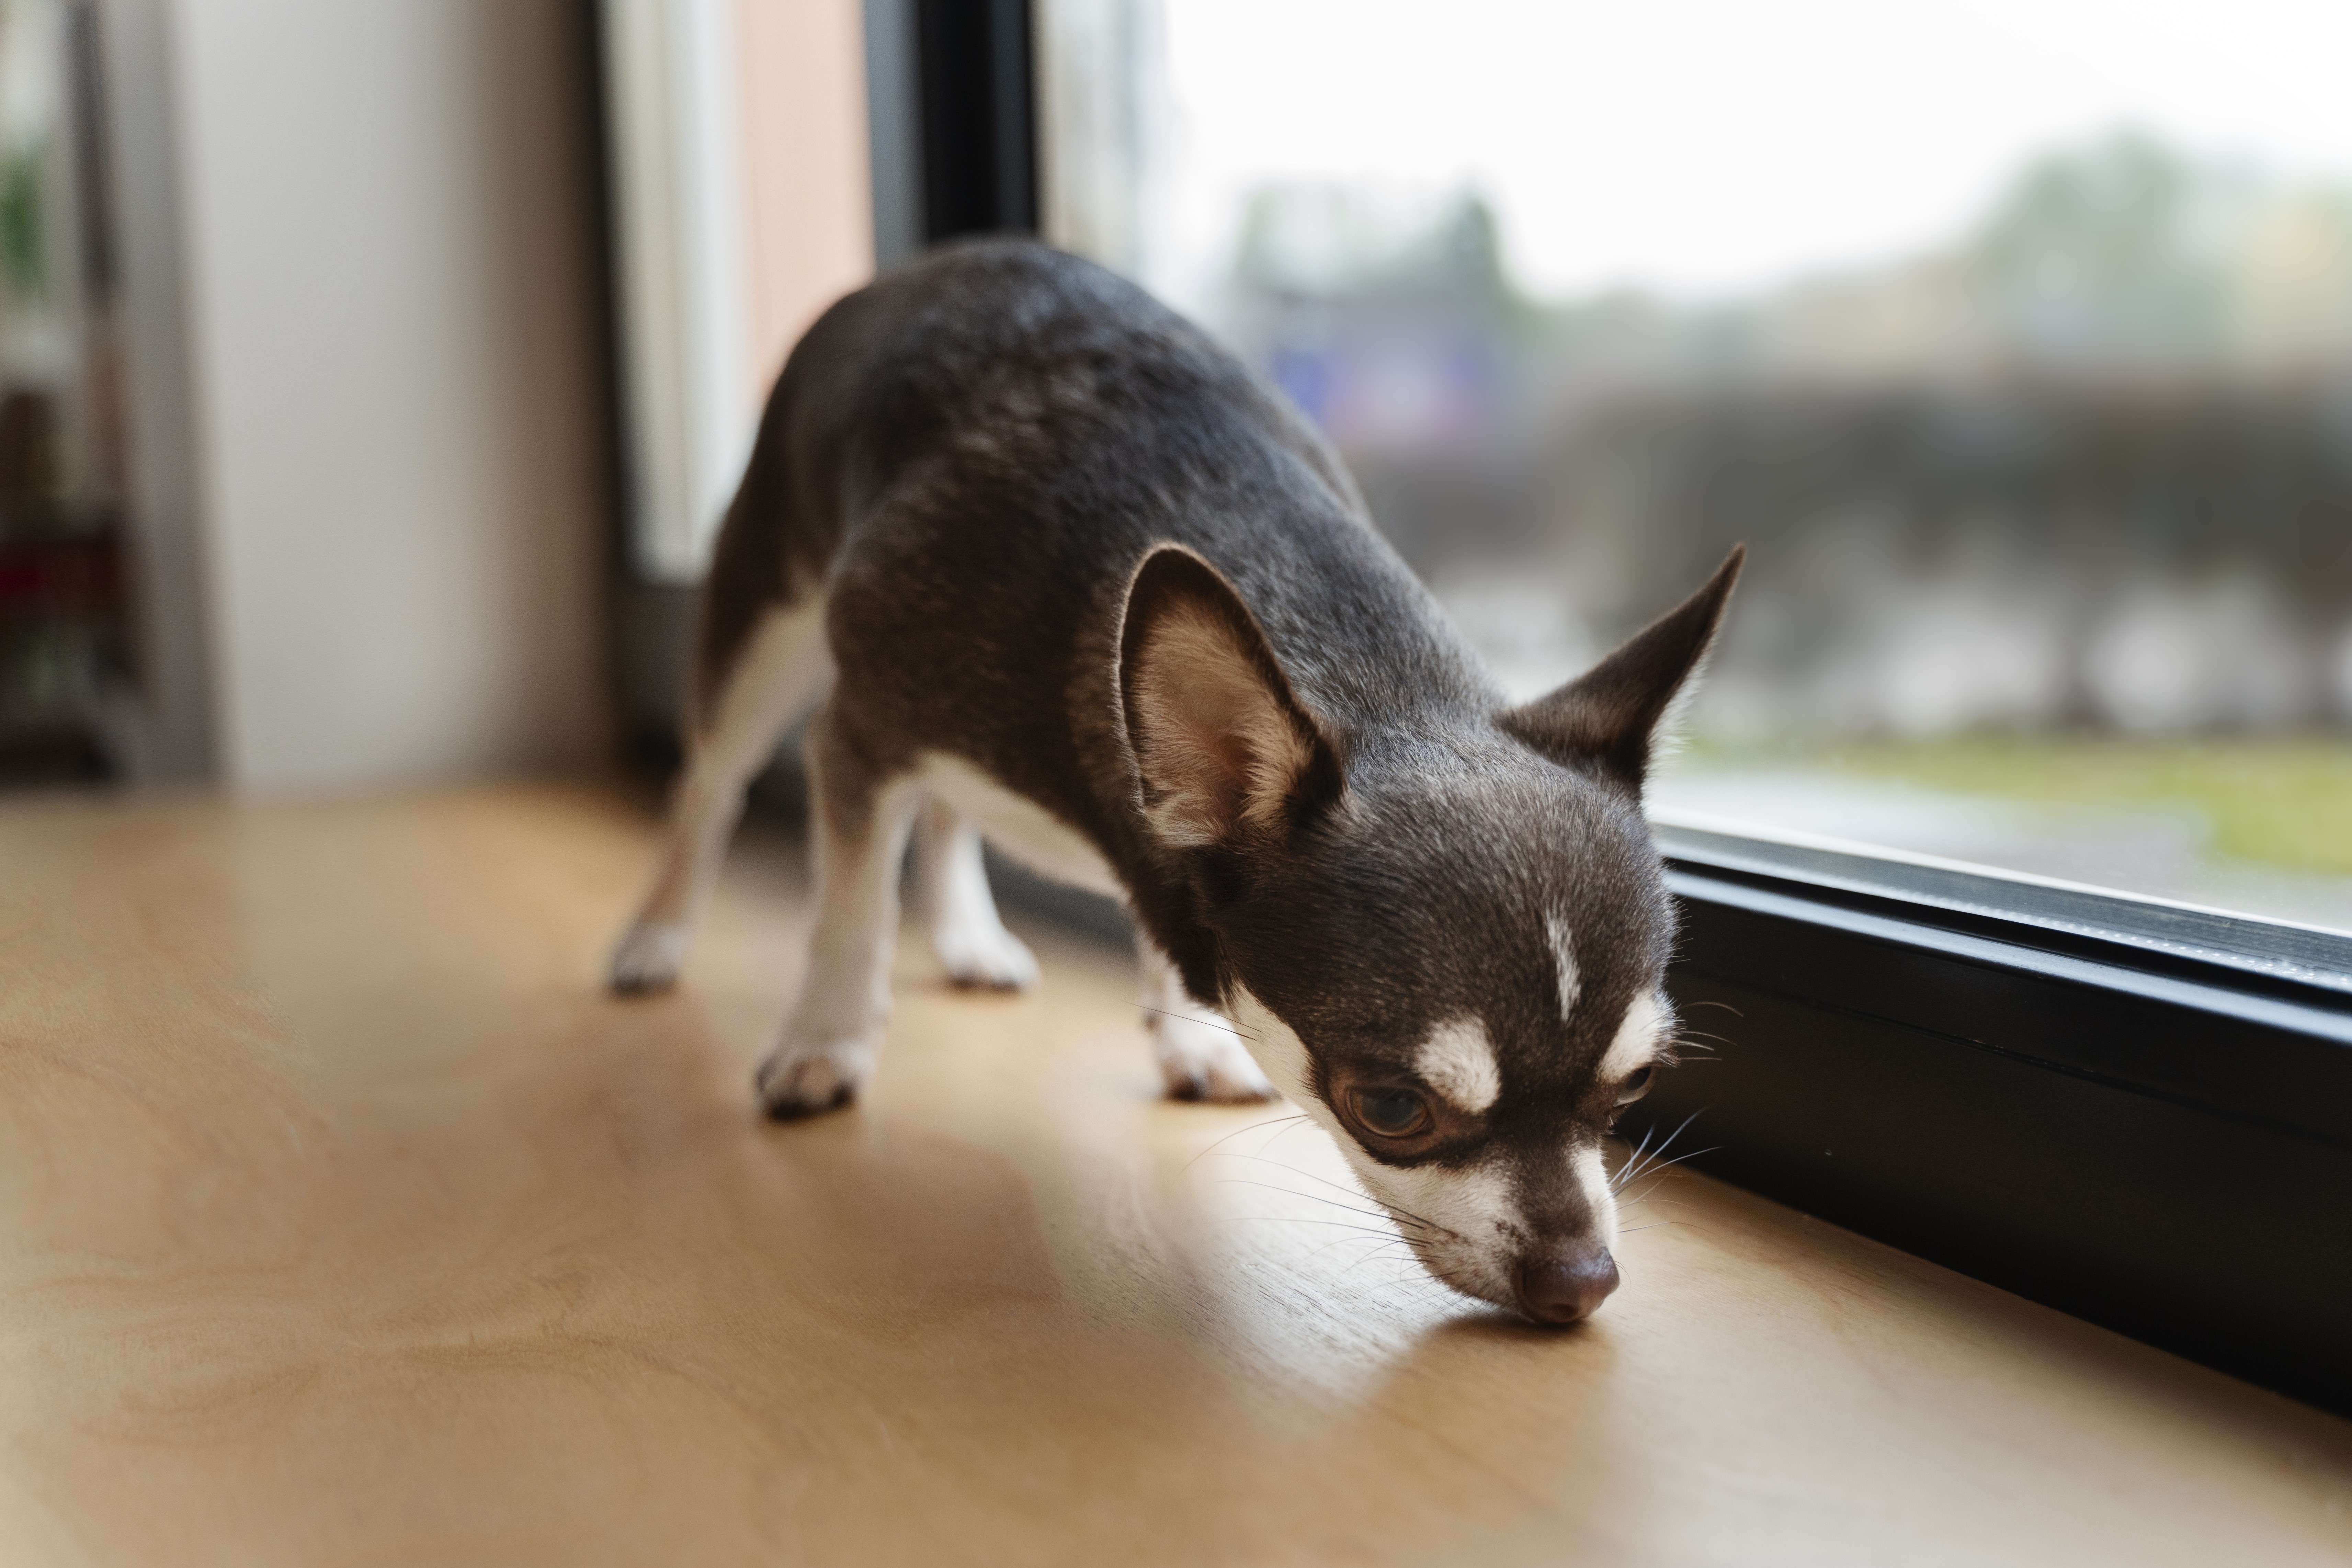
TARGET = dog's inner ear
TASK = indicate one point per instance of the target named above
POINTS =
(1225, 749)
(1613, 716)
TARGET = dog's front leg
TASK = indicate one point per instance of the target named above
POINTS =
(1200, 1054)
(966, 931)
(859, 823)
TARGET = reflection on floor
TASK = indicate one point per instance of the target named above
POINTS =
(343, 1219)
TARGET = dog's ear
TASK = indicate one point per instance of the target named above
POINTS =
(1612, 716)
(1226, 750)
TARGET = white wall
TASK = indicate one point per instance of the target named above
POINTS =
(388, 311)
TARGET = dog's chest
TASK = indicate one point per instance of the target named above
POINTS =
(1018, 826)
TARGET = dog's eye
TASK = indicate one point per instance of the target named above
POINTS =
(1634, 1088)
(1391, 1112)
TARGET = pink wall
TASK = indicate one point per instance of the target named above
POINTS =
(810, 206)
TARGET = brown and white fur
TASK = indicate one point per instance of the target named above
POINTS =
(1062, 573)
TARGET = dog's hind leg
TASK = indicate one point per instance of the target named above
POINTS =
(966, 931)
(858, 820)
(1201, 1054)
(781, 667)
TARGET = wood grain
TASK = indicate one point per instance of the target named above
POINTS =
(343, 1220)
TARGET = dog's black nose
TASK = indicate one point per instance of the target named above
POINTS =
(1566, 1284)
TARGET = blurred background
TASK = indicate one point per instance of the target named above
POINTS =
(372, 374)
(301, 418)
(2015, 340)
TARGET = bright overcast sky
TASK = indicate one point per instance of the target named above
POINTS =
(1710, 146)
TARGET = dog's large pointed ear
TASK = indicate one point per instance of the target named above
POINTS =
(1226, 750)
(1612, 716)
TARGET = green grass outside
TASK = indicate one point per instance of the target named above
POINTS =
(2286, 800)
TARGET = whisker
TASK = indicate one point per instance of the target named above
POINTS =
(1367, 1257)
(1270, 1122)
(1656, 1170)
(1289, 1124)
(1310, 1197)
(1450, 1282)
(1658, 1165)
(1725, 1006)
(1642, 1167)
(1284, 1133)
(1402, 1215)
(1297, 1219)
(1631, 1160)
(1392, 1210)
(1385, 1241)
(1199, 1018)
(1646, 1198)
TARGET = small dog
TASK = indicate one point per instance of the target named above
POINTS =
(1068, 574)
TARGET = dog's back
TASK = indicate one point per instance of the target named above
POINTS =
(988, 443)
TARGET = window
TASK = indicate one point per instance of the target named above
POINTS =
(2014, 835)
(2018, 345)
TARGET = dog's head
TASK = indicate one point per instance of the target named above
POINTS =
(1445, 941)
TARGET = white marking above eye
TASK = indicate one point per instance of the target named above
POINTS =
(1457, 1060)
(1636, 1042)
(1563, 947)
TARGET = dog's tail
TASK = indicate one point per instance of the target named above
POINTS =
(751, 573)
(782, 529)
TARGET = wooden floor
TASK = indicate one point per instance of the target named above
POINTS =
(342, 1219)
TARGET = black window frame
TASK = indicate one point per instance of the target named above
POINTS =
(2153, 1135)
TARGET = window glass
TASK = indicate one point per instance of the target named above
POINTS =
(2014, 338)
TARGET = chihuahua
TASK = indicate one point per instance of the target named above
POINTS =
(1065, 573)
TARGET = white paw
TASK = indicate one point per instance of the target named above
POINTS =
(985, 958)
(1202, 1058)
(649, 957)
(805, 1080)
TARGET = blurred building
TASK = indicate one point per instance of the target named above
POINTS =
(2091, 465)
